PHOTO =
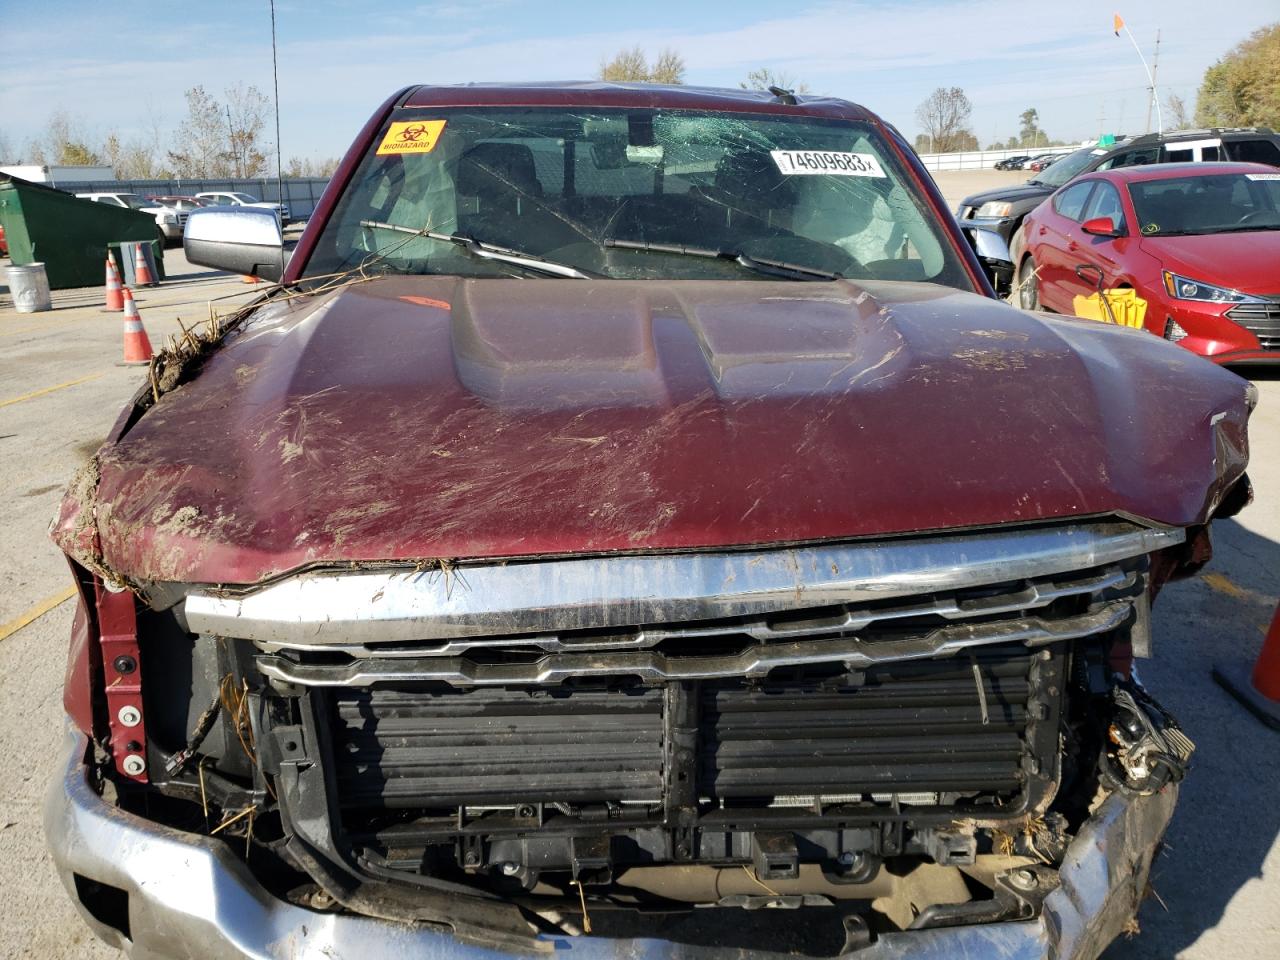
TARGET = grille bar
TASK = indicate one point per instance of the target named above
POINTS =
(756, 661)
(1260, 319)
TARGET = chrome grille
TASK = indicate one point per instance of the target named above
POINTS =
(1029, 612)
(1260, 319)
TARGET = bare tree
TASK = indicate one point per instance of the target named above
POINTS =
(668, 68)
(632, 66)
(764, 78)
(299, 167)
(201, 148)
(64, 141)
(246, 120)
(944, 116)
(1176, 114)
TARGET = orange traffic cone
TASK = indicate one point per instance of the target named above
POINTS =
(137, 348)
(1259, 691)
(141, 270)
(115, 299)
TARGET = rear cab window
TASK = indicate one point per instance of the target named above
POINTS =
(568, 183)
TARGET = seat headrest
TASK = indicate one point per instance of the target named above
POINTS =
(498, 169)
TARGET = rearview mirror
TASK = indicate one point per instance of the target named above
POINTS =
(1101, 227)
(245, 240)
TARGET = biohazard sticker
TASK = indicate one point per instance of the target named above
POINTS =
(411, 136)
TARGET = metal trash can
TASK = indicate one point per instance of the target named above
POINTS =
(29, 287)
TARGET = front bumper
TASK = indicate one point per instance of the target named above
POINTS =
(990, 237)
(1211, 331)
(190, 897)
(171, 231)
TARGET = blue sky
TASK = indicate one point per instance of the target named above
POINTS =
(123, 67)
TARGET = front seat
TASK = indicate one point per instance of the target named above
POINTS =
(496, 182)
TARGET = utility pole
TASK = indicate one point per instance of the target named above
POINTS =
(1155, 65)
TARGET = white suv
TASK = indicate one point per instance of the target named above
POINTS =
(170, 220)
(230, 199)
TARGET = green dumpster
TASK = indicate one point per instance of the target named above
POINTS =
(69, 235)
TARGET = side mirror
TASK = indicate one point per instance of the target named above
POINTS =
(244, 240)
(1101, 227)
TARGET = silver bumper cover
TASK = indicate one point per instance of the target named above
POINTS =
(190, 897)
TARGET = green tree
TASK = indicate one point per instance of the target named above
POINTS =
(1029, 132)
(632, 66)
(1243, 88)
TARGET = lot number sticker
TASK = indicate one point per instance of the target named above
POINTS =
(1263, 176)
(411, 136)
(827, 163)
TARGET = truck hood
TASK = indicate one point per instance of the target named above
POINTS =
(1238, 261)
(431, 418)
(1017, 194)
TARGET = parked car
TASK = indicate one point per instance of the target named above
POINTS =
(1200, 243)
(183, 204)
(611, 540)
(1012, 163)
(1043, 163)
(169, 219)
(235, 199)
(991, 218)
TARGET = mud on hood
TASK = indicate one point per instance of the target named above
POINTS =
(411, 418)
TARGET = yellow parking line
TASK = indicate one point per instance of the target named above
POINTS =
(1223, 584)
(36, 612)
(42, 391)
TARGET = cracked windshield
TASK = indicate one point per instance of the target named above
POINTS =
(630, 194)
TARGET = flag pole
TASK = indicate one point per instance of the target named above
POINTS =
(1121, 25)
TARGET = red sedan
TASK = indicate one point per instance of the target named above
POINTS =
(1199, 242)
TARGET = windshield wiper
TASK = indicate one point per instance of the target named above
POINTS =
(1243, 228)
(487, 251)
(775, 268)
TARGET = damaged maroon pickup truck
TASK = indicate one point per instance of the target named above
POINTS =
(631, 527)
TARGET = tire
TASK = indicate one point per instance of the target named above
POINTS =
(1028, 285)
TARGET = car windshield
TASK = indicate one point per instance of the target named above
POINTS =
(135, 202)
(619, 192)
(1068, 167)
(244, 197)
(1198, 204)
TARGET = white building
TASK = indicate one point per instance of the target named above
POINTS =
(56, 176)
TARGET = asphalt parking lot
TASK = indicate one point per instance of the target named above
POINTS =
(1214, 889)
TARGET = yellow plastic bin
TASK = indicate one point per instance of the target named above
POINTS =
(1128, 308)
